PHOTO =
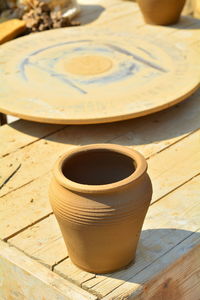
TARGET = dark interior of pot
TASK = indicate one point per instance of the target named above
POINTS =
(98, 167)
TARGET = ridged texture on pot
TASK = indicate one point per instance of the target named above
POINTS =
(161, 12)
(101, 230)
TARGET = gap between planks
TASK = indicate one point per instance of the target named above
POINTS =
(175, 276)
(13, 136)
(168, 213)
(182, 155)
(161, 150)
(26, 274)
(178, 122)
(50, 227)
(8, 177)
(171, 241)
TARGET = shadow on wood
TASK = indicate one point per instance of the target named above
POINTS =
(171, 123)
(89, 13)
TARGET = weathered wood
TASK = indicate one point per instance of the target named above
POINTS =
(167, 257)
(23, 278)
(175, 165)
(173, 276)
(165, 226)
(69, 271)
(42, 154)
(21, 133)
(183, 155)
(42, 241)
(154, 133)
(148, 135)
(11, 170)
(157, 238)
(168, 72)
(22, 208)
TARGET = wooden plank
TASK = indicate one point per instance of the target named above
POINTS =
(157, 238)
(179, 127)
(11, 171)
(24, 207)
(160, 92)
(41, 197)
(173, 276)
(68, 270)
(183, 155)
(166, 168)
(48, 150)
(148, 135)
(21, 133)
(23, 278)
(175, 165)
(42, 242)
(168, 222)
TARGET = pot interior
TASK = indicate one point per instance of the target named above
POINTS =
(98, 167)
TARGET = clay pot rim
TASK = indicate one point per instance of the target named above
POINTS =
(140, 163)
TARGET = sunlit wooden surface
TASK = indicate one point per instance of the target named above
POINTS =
(33, 259)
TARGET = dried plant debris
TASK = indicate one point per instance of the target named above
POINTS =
(39, 17)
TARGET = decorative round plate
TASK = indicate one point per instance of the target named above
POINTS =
(82, 76)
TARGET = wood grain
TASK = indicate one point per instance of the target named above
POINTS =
(184, 155)
(166, 225)
(166, 68)
(149, 135)
(167, 264)
(20, 134)
(30, 280)
(24, 207)
(173, 276)
(43, 242)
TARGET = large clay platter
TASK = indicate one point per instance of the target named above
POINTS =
(82, 76)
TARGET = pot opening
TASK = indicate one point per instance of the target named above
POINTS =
(98, 167)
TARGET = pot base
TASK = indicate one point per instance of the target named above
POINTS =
(171, 22)
(104, 271)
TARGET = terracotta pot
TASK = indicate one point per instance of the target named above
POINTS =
(100, 195)
(161, 12)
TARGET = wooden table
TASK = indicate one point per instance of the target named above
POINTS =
(33, 260)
